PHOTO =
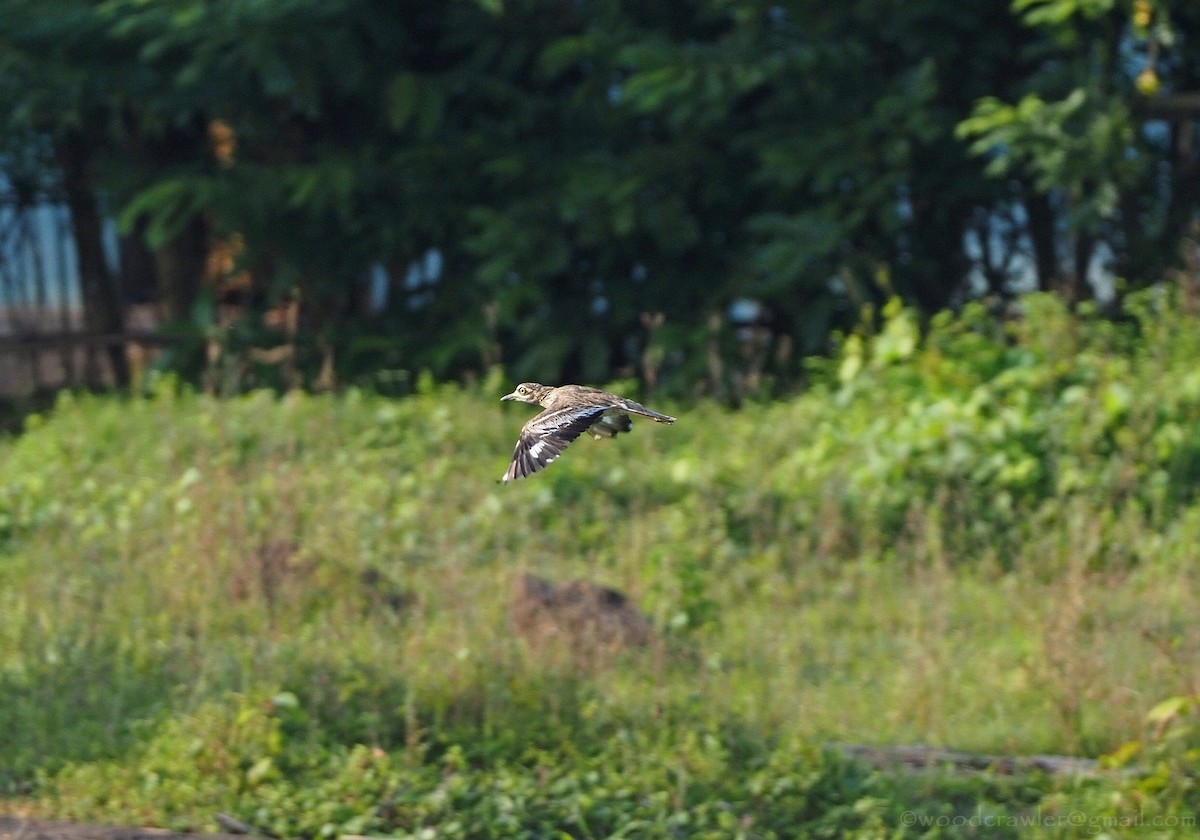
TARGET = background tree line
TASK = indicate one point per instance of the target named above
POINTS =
(693, 192)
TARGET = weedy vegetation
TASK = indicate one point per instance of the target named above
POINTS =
(295, 609)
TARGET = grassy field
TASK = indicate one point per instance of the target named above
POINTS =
(295, 609)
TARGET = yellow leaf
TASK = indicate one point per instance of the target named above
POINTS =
(1147, 82)
(1170, 708)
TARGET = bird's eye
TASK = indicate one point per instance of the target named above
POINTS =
(522, 390)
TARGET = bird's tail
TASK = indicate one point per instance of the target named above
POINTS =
(638, 408)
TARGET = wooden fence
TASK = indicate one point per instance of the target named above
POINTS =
(43, 342)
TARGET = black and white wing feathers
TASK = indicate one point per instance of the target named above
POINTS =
(546, 436)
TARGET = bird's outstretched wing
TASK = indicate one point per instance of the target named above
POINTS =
(547, 434)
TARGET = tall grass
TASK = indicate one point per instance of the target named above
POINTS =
(983, 539)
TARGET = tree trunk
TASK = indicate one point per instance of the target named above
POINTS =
(180, 265)
(102, 310)
(139, 276)
(1040, 223)
(1079, 288)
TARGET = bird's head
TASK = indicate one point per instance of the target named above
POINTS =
(530, 392)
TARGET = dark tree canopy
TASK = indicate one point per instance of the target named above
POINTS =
(694, 192)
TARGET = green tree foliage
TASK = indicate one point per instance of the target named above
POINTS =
(582, 190)
(1100, 133)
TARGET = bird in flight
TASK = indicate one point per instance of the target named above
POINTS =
(569, 411)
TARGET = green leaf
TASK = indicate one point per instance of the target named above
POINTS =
(168, 206)
(400, 100)
(260, 771)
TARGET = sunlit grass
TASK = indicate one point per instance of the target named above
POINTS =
(814, 577)
(856, 648)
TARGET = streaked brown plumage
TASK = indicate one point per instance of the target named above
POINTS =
(570, 410)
